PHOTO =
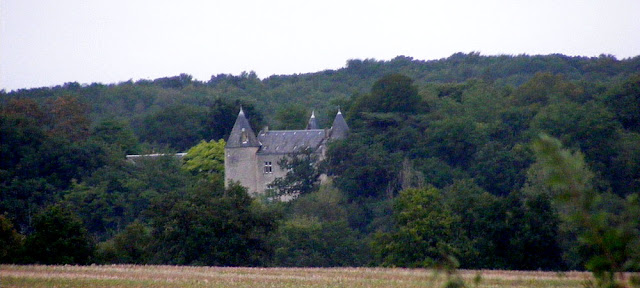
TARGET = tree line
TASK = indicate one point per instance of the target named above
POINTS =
(147, 105)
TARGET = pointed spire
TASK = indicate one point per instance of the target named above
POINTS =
(339, 129)
(242, 135)
(313, 124)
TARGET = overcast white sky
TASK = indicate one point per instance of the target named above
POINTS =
(50, 42)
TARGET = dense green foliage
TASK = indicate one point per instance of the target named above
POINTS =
(424, 235)
(611, 238)
(315, 233)
(58, 238)
(206, 159)
(438, 167)
(210, 226)
(302, 174)
(10, 241)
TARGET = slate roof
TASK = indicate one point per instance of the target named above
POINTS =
(288, 141)
(339, 129)
(239, 128)
(313, 123)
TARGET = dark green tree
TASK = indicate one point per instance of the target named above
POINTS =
(544, 88)
(611, 238)
(10, 241)
(69, 118)
(624, 102)
(178, 126)
(304, 242)
(511, 232)
(116, 134)
(499, 169)
(391, 93)
(362, 170)
(119, 193)
(303, 174)
(534, 242)
(316, 233)
(35, 166)
(292, 117)
(130, 246)
(210, 225)
(454, 140)
(590, 128)
(424, 234)
(483, 235)
(58, 238)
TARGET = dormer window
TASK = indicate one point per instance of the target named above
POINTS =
(244, 136)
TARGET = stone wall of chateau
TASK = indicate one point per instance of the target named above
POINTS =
(264, 177)
(240, 165)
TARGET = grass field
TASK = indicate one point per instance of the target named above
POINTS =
(185, 276)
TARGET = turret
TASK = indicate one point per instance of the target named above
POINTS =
(313, 124)
(242, 135)
(339, 128)
(240, 155)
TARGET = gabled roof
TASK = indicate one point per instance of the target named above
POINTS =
(242, 135)
(339, 129)
(289, 141)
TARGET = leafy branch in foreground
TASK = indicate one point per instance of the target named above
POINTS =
(612, 238)
(302, 174)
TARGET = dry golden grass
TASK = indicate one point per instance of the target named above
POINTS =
(184, 276)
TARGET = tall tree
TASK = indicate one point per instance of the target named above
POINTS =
(10, 241)
(178, 126)
(210, 225)
(70, 118)
(206, 159)
(393, 93)
(611, 239)
(117, 134)
(361, 169)
(292, 117)
(624, 101)
(58, 238)
(424, 231)
(302, 174)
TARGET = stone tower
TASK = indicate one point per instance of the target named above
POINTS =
(240, 154)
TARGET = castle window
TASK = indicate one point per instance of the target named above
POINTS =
(245, 136)
(268, 168)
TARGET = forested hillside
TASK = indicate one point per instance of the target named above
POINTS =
(147, 104)
(439, 165)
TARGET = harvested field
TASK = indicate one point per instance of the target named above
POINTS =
(186, 276)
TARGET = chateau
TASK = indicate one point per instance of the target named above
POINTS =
(253, 160)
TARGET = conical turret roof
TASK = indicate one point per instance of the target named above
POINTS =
(242, 135)
(313, 123)
(339, 129)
